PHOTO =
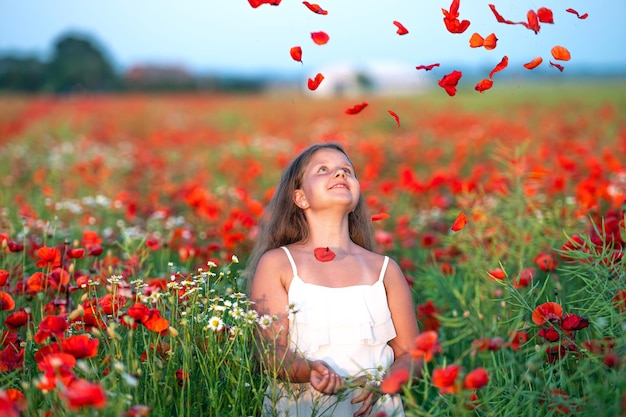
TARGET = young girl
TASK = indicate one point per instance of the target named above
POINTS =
(343, 314)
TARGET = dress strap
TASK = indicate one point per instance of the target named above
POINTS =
(291, 261)
(383, 269)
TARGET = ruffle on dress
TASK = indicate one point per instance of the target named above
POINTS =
(353, 315)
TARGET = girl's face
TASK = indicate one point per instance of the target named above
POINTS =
(328, 181)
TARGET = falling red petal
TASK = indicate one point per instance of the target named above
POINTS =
(534, 63)
(476, 41)
(395, 116)
(490, 42)
(451, 18)
(315, 8)
(501, 19)
(561, 53)
(380, 216)
(257, 3)
(501, 65)
(427, 67)
(314, 83)
(320, 38)
(559, 67)
(401, 29)
(324, 254)
(483, 85)
(296, 53)
(583, 16)
(533, 21)
(450, 81)
(356, 109)
(459, 222)
(545, 15)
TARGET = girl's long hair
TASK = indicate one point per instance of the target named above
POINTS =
(284, 223)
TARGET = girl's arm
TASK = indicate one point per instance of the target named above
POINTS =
(269, 294)
(402, 309)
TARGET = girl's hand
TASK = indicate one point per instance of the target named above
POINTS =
(325, 379)
(366, 396)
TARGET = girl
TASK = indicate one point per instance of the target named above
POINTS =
(343, 315)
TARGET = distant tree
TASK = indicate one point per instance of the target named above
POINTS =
(21, 74)
(77, 64)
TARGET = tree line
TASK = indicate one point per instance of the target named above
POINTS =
(77, 64)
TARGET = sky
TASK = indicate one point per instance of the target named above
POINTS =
(230, 35)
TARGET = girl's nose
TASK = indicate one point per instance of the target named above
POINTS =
(340, 173)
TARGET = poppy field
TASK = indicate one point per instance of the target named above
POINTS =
(127, 219)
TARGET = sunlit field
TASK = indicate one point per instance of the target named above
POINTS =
(126, 220)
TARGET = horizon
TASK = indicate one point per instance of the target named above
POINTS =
(234, 38)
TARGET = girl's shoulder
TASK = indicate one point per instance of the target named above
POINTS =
(275, 263)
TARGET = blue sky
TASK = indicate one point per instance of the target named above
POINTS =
(206, 35)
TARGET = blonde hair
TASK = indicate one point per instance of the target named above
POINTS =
(284, 223)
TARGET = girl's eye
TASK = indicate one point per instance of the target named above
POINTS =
(347, 170)
(323, 169)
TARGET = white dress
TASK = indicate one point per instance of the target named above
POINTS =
(346, 327)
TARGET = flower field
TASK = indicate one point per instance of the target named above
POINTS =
(126, 220)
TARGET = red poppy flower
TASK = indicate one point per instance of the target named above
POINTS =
(488, 343)
(155, 322)
(81, 393)
(545, 312)
(56, 367)
(426, 346)
(445, 379)
(476, 379)
(550, 334)
(75, 253)
(4, 277)
(392, 384)
(6, 302)
(545, 262)
(525, 277)
(427, 316)
(182, 377)
(137, 411)
(8, 407)
(517, 340)
(112, 303)
(496, 274)
(619, 300)
(80, 346)
(16, 319)
(11, 358)
(48, 257)
(51, 326)
(573, 322)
